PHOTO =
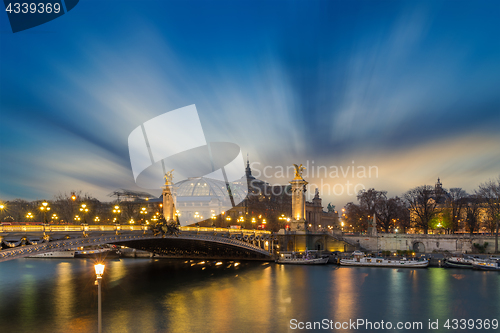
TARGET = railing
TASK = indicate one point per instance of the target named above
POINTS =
(121, 227)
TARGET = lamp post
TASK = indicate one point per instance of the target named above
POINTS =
(29, 216)
(116, 211)
(99, 270)
(84, 211)
(143, 212)
(73, 199)
(45, 208)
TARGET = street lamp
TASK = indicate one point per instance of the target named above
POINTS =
(99, 270)
(29, 216)
(84, 209)
(2, 207)
(143, 212)
(44, 208)
(116, 211)
(54, 217)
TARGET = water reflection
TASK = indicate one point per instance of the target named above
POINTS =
(63, 294)
(345, 296)
(144, 295)
(438, 292)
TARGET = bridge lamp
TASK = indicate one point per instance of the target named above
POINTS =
(99, 270)
(228, 218)
(213, 217)
(97, 219)
(288, 219)
(54, 217)
(45, 208)
(29, 216)
(253, 220)
(84, 209)
(264, 221)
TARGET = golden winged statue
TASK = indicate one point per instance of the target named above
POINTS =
(169, 176)
(298, 171)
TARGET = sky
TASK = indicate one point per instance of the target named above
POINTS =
(406, 89)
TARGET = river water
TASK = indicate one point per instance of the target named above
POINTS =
(159, 295)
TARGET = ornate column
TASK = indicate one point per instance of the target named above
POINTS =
(298, 222)
(168, 197)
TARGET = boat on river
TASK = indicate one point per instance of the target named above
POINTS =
(309, 258)
(359, 259)
(98, 252)
(55, 254)
(459, 262)
(486, 265)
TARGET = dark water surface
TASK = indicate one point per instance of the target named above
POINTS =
(156, 295)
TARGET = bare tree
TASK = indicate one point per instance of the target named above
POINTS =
(403, 218)
(490, 194)
(368, 200)
(423, 203)
(387, 211)
(472, 210)
(356, 216)
(16, 210)
(455, 205)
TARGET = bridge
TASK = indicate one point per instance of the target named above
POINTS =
(18, 241)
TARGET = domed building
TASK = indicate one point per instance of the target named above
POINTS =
(201, 198)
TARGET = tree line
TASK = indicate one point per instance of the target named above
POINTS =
(426, 208)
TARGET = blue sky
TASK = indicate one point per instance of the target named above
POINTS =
(411, 87)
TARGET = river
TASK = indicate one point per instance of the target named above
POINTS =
(159, 295)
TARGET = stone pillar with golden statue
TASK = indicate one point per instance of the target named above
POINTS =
(168, 197)
(298, 222)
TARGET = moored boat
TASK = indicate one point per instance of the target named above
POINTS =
(458, 262)
(297, 259)
(55, 254)
(486, 265)
(97, 253)
(360, 260)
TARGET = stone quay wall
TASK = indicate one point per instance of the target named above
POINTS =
(423, 243)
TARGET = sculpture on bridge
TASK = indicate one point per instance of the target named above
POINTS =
(298, 171)
(163, 227)
(169, 177)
